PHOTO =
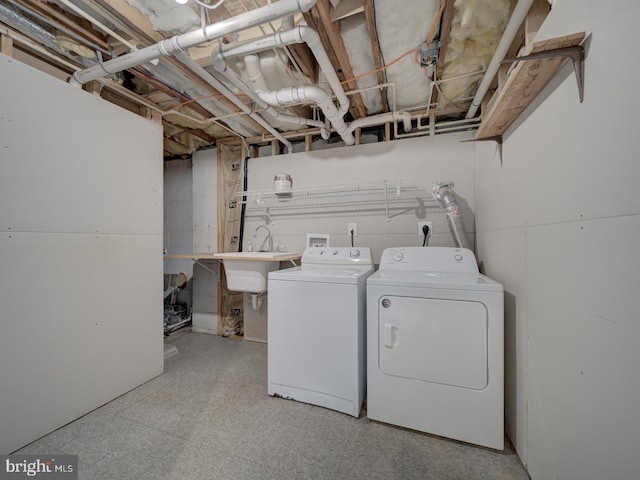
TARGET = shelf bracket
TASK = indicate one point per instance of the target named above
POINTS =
(575, 53)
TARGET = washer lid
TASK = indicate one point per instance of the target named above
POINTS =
(448, 280)
(324, 274)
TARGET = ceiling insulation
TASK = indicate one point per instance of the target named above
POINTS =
(374, 41)
(475, 33)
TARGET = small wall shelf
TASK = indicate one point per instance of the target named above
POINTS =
(524, 84)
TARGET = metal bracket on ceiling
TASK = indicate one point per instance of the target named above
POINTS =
(429, 53)
(575, 53)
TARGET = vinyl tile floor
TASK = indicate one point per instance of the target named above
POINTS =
(209, 417)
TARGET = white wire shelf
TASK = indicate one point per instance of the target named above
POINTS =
(368, 195)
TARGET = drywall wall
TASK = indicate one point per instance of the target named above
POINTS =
(81, 253)
(178, 214)
(205, 237)
(558, 223)
(427, 159)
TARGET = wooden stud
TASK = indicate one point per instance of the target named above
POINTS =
(94, 87)
(387, 132)
(345, 9)
(6, 45)
(307, 143)
(319, 18)
(445, 36)
(534, 19)
(275, 150)
(370, 15)
(357, 135)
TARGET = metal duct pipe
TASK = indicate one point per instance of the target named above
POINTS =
(11, 17)
(180, 43)
(510, 32)
(444, 195)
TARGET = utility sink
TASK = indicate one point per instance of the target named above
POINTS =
(249, 271)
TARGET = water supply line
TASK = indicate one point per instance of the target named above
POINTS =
(444, 195)
(180, 43)
(291, 95)
(510, 32)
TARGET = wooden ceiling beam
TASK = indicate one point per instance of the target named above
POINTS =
(370, 16)
(93, 7)
(445, 37)
(319, 18)
(157, 84)
(141, 24)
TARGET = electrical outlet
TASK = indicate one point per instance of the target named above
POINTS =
(422, 224)
(354, 227)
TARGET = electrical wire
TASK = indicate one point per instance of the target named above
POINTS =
(415, 51)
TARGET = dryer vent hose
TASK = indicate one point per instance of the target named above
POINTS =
(446, 199)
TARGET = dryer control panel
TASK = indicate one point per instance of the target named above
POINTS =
(429, 259)
(337, 256)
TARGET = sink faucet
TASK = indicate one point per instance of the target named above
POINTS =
(268, 238)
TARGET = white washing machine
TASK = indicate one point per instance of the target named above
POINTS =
(317, 339)
(435, 359)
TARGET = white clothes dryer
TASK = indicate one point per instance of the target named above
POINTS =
(435, 358)
(317, 341)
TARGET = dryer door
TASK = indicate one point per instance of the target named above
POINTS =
(440, 341)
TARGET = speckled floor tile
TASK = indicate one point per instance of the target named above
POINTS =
(208, 417)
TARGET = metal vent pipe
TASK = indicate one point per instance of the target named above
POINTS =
(444, 195)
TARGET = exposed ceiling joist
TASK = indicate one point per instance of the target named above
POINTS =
(319, 18)
(196, 113)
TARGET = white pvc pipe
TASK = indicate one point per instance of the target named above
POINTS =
(302, 93)
(207, 77)
(182, 42)
(405, 117)
(510, 32)
(260, 85)
(280, 39)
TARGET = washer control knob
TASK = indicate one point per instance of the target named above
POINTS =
(458, 257)
(354, 253)
(397, 256)
(335, 252)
